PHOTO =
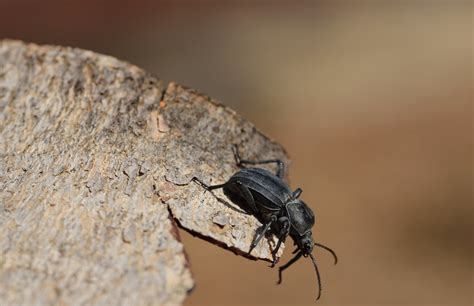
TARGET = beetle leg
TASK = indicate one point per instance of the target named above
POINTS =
(280, 165)
(262, 233)
(284, 232)
(297, 193)
(240, 162)
(285, 266)
(247, 195)
(208, 187)
(204, 185)
(216, 186)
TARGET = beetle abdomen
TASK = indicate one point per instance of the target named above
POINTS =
(267, 189)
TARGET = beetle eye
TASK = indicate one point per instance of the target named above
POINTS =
(308, 246)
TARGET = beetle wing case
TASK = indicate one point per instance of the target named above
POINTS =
(268, 189)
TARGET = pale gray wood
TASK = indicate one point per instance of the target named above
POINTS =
(95, 160)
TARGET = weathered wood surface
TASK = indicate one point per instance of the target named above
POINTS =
(95, 157)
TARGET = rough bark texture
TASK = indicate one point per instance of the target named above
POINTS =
(96, 156)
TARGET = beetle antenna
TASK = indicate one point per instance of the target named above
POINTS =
(329, 250)
(285, 266)
(317, 274)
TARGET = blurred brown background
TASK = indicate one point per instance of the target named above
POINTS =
(372, 100)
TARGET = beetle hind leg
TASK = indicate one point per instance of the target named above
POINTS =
(208, 187)
(280, 172)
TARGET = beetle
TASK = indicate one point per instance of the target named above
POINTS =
(267, 196)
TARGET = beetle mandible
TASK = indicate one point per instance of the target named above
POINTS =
(268, 197)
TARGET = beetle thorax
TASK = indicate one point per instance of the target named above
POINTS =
(301, 217)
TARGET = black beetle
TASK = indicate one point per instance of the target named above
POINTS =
(268, 197)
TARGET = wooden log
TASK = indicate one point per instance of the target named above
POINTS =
(96, 158)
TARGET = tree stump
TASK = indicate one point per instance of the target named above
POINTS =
(96, 163)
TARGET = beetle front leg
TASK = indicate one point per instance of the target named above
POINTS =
(284, 232)
(262, 233)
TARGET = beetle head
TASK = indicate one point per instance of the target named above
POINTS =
(302, 220)
(306, 244)
(304, 248)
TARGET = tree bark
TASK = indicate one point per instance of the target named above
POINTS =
(96, 163)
